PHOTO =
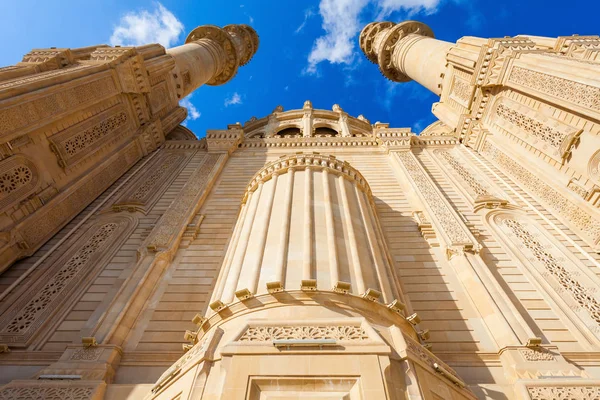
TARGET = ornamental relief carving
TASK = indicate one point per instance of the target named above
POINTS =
(78, 141)
(475, 186)
(461, 91)
(536, 355)
(46, 393)
(444, 215)
(54, 215)
(564, 392)
(547, 134)
(54, 105)
(151, 185)
(18, 179)
(577, 290)
(270, 333)
(580, 94)
(580, 217)
(174, 219)
(65, 277)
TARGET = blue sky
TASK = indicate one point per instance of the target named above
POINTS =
(308, 49)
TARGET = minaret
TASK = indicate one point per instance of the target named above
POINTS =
(523, 100)
(72, 121)
(526, 109)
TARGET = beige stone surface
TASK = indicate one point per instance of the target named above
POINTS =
(307, 253)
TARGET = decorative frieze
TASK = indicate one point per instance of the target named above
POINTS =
(581, 218)
(555, 266)
(175, 218)
(474, 186)
(556, 137)
(28, 79)
(564, 392)
(54, 105)
(580, 94)
(442, 212)
(78, 141)
(18, 179)
(270, 333)
(86, 354)
(59, 281)
(461, 91)
(148, 189)
(536, 355)
(47, 393)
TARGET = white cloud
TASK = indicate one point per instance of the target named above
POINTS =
(156, 26)
(193, 113)
(307, 14)
(234, 99)
(342, 23)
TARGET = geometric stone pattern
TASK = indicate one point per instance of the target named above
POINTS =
(587, 223)
(270, 333)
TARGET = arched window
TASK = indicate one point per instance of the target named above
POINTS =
(325, 132)
(289, 132)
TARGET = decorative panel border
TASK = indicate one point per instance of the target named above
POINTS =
(66, 277)
(18, 179)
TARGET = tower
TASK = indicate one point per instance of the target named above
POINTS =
(309, 252)
(525, 110)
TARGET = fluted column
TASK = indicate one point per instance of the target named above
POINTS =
(406, 51)
(212, 55)
(306, 216)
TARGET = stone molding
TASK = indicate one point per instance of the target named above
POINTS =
(173, 221)
(453, 230)
(579, 217)
(313, 161)
(66, 276)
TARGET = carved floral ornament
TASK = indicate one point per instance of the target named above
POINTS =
(576, 290)
(18, 179)
(66, 276)
(270, 333)
(313, 161)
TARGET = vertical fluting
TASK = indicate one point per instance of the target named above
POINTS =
(355, 257)
(284, 236)
(308, 225)
(219, 286)
(319, 224)
(376, 251)
(330, 227)
(240, 252)
(262, 226)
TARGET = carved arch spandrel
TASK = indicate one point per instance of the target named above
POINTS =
(568, 287)
(18, 179)
(63, 279)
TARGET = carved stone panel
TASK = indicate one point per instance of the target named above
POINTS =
(66, 276)
(575, 288)
(576, 93)
(75, 143)
(546, 134)
(45, 109)
(150, 186)
(18, 179)
(579, 217)
(442, 212)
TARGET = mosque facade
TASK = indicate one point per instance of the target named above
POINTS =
(308, 253)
